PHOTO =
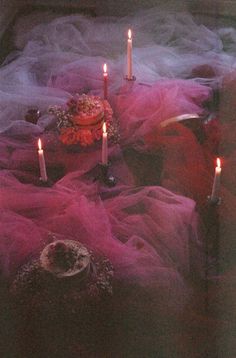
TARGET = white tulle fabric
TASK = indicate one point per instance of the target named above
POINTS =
(149, 233)
(67, 54)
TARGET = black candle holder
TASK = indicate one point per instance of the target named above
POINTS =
(104, 176)
(211, 242)
(47, 184)
(132, 79)
(213, 202)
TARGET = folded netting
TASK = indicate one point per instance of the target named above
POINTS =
(141, 109)
(30, 215)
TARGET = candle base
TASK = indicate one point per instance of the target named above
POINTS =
(211, 243)
(133, 78)
(213, 202)
(104, 176)
(43, 183)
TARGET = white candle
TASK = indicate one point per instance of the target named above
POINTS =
(105, 78)
(129, 55)
(42, 166)
(216, 183)
(104, 145)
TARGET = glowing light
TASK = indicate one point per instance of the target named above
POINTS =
(218, 162)
(104, 127)
(129, 34)
(105, 68)
(39, 144)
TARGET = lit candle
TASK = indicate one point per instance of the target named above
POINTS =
(42, 166)
(104, 144)
(105, 78)
(216, 183)
(129, 56)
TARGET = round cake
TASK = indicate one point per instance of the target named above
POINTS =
(90, 111)
(81, 123)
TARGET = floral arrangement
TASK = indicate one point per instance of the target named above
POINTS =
(82, 119)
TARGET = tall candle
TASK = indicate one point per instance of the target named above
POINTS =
(42, 166)
(216, 183)
(129, 55)
(105, 79)
(104, 145)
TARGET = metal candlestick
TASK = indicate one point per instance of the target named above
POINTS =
(211, 219)
(133, 78)
(213, 202)
(46, 184)
(104, 176)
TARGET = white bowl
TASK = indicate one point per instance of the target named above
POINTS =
(81, 266)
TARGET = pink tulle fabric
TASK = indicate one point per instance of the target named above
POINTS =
(142, 109)
(151, 232)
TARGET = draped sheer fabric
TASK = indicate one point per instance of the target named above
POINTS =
(150, 233)
(67, 53)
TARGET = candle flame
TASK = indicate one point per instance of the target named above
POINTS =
(105, 68)
(129, 34)
(39, 144)
(218, 162)
(104, 127)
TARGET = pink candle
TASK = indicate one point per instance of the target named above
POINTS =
(129, 55)
(42, 166)
(216, 183)
(104, 145)
(105, 79)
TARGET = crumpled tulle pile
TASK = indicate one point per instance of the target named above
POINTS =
(60, 57)
(67, 53)
(150, 234)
